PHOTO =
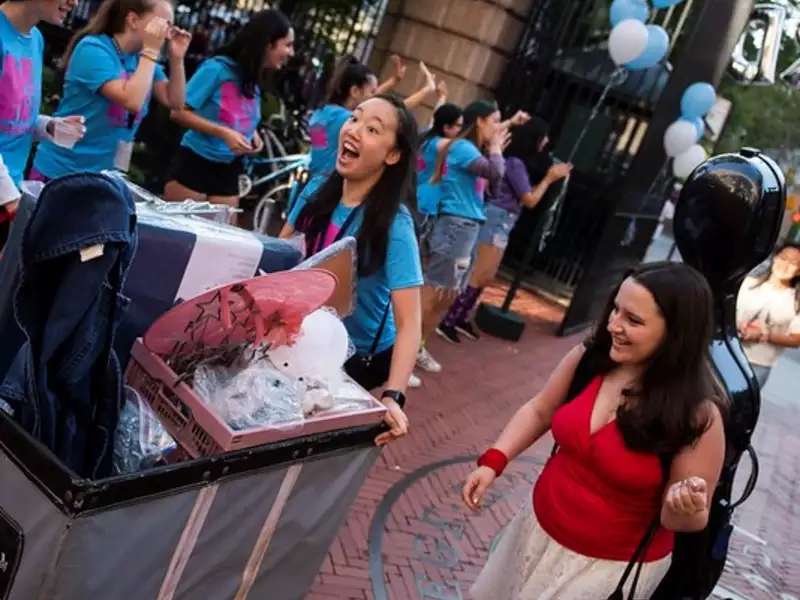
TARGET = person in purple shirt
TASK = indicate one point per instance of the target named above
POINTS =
(504, 202)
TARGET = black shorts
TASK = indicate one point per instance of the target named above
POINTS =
(206, 176)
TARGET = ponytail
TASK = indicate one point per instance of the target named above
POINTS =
(349, 72)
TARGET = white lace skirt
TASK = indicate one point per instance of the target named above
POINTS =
(528, 564)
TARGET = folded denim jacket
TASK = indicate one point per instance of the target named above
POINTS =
(65, 383)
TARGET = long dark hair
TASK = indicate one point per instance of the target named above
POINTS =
(526, 145)
(763, 277)
(474, 111)
(394, 189)
(248, 46)
(109, 19)
(445, 116)
(665, 412)
(349, 72)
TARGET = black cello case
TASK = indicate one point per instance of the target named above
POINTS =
(727, 222)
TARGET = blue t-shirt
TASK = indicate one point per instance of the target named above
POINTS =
(462, 191)
(215, 93)
(94, 62)
(401, 270)
(323, 129)
(20, 94)
(428, 194)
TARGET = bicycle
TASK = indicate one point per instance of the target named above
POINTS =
(282, 195)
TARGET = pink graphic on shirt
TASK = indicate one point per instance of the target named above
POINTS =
(17, 95)
(117, 115)
(421, 164)
(319, 136)
(480, 186)
(236, 110)
(330, 235)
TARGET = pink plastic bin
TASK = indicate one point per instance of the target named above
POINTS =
(198, 429)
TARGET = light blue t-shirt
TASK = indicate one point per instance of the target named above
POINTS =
(20, 94)
(215, 93)
(94, 62)
(428, 194)
(462, 191)
(401, 270)
(323, 129)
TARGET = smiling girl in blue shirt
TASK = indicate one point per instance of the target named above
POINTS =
(224, 109)
(352, 83)
(366, 197)
(112, 70)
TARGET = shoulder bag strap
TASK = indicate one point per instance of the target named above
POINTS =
(637, 560)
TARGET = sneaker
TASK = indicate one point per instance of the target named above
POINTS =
(426, 362)
(469, 331)
(414, 381)
(449, 334)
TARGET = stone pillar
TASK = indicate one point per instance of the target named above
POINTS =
(466, 42)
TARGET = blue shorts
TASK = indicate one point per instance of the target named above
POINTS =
(498, 226)
(449, 249)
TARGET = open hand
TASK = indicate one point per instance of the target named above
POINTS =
(476, 485)
(430, 80)
(399, 67)
(179, 40)
(155, 32)
(396, 419)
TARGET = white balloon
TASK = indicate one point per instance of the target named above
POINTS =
(628, 41)
(320, 350)
(679, 137)
(685, 163)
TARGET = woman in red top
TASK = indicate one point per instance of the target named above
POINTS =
(653, 401)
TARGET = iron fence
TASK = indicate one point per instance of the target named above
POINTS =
(562, 56)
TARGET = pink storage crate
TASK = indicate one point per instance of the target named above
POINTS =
(200, 431)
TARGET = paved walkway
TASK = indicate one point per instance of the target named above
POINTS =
(409, 537)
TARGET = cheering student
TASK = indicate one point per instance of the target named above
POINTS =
(112, 69)
(365, 198)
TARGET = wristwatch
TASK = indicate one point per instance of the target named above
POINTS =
(395, 395)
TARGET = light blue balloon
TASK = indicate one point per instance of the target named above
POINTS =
(665, 3)
(628, 9)
(697, 100)
(656, 49)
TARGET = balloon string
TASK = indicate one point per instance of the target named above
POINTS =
(553, 215)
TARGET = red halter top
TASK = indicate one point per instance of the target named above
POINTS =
(597, 497)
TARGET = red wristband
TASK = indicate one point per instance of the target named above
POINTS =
(495, 459)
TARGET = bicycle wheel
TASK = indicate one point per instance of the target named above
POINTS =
(267, 219)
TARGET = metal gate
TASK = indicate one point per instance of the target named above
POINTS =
(563, 59)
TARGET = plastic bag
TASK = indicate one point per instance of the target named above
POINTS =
(141, 442)
(255, 395)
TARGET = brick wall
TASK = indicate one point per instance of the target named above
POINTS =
(467, 42)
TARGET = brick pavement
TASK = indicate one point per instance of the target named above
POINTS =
(424, 545)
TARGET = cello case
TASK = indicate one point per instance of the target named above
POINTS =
(727, 222)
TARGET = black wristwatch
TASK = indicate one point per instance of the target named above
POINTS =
(398, 397)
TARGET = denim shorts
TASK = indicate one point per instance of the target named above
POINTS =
(498, 226)
(450, 247)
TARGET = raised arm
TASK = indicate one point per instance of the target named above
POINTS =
(132, 93)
